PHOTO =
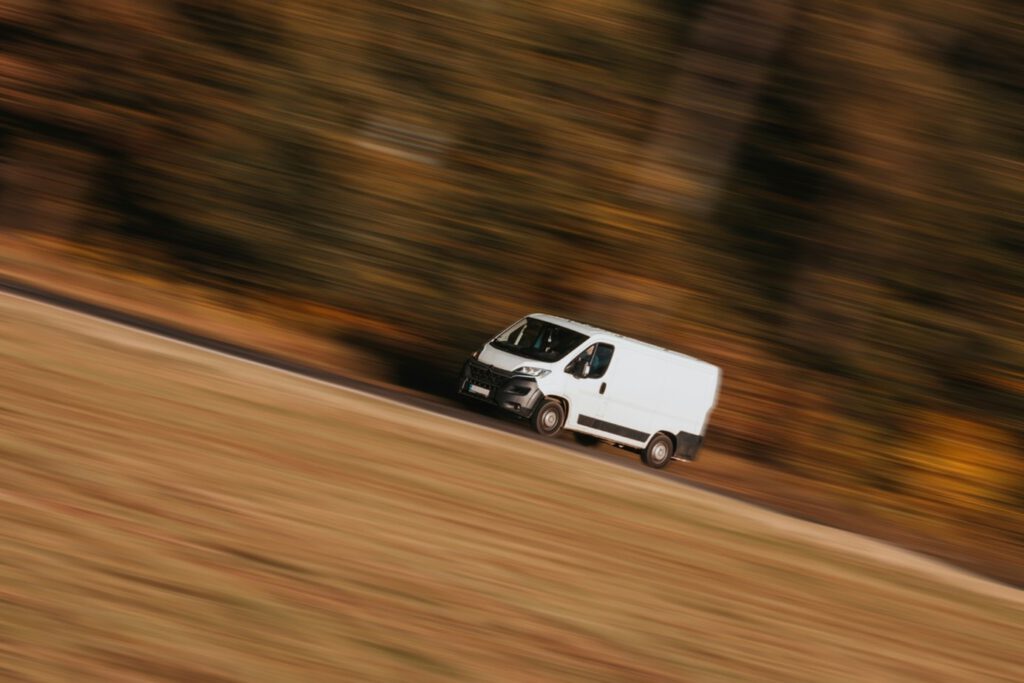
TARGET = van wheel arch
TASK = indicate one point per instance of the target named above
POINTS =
(561, 399)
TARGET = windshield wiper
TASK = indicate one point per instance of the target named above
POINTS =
(504, 346)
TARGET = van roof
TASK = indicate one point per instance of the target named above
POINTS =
(591, 331)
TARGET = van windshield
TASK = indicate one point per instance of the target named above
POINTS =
(538, 340)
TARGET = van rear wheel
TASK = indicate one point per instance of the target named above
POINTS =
(549, 417)
(658, 451)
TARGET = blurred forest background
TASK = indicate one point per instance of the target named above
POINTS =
(823, 197)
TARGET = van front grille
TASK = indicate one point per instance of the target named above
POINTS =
(487, 376)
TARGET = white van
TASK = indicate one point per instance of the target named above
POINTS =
(599, 385)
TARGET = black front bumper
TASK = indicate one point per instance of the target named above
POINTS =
(516, 394)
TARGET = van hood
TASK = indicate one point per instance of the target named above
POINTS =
(504, 360)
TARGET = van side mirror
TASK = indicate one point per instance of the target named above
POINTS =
(582, 371)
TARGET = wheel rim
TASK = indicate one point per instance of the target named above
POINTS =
(659, 452)
(549, 419)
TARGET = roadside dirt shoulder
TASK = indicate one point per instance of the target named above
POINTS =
(277, 328)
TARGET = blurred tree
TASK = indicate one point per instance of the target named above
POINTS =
(824, 198)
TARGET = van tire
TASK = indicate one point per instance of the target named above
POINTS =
(585, 439)
(659, 451)
(549, 418)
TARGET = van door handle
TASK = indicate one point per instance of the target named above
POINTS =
(604, 385)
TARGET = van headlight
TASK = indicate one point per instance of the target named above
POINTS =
(532, 372)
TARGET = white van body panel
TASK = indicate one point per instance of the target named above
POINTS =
(644, 390)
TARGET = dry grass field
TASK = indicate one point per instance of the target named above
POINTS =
(171, 515)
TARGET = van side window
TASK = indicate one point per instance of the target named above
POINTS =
(597, 356)
(601, 360)
(579, 361)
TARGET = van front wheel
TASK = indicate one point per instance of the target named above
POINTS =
(549, 417)
(658, 451)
